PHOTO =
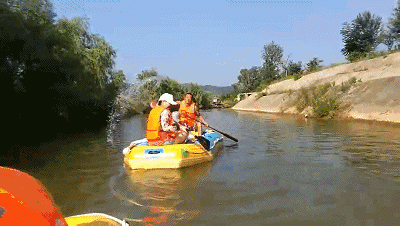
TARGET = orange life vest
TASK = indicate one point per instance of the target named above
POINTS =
(154, 134)
(186, 113)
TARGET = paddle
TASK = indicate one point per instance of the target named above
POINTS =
(225, 134)
(203, 141)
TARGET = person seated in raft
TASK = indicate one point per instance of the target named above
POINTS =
(160, 125)
(188, 112)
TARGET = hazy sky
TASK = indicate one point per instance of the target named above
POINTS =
(208, 42)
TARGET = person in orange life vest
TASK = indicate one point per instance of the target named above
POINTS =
(188, 111)
(160, 125)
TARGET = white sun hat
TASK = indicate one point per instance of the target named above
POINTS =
(168, 97)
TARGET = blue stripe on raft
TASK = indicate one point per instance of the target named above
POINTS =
(213, 137)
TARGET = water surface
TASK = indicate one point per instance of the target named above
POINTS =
(283, 171)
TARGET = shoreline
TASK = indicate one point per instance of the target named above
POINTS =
(341, 118)
(372, 99)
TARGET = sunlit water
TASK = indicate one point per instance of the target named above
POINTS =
(283, 171)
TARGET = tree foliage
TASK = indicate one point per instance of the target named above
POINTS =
(294, 68)
(361, 35)
(202, 98)
(314, 64)
(393, 33)
(387, 38)
(53, 72)
(152, 89)
(249, 79)
(147, 74)
(272, 60)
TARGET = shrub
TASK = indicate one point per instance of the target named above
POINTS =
(356, 56)
(296, 76)
(323, 102)
(303, 99)
(347, 85)
(229, 103)
(325, 106)
(321, 90)
(262, 86)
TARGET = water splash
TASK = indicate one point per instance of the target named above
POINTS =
(131, 92)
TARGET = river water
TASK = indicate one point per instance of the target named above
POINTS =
(283, 171)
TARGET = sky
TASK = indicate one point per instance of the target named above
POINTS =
(208, 42)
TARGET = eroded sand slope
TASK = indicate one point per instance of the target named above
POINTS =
(375, 98)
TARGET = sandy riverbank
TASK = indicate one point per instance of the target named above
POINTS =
(375, 98)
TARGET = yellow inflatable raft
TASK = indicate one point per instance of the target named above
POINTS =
(94, 219)
(143, 156)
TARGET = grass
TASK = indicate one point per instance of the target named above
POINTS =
(326, 106)
(229, 103)
(348, 84)
(323, 99)
(356, 57)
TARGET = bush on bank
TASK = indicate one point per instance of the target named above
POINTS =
(323, 99)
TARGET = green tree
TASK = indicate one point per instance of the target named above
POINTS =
(294, 68)
(361, 35)
(116, 85)
(387, 38)
(152, 89)
(394, 22)
(248, 80)
(394, 25)
(203, 99)
(91, 59)
(57, 75)
(149, 91)
(171, 86)
(147, 74)
(272, 60)
(39, 9)
(314, 64)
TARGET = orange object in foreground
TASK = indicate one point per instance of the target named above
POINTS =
(25, 201)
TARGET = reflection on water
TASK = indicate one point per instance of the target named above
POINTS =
(283, 171)
(160, 191)
(374, 149)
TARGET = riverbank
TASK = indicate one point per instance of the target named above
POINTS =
(372, 96)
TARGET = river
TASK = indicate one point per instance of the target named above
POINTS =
(283, 171)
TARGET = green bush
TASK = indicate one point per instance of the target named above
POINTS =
(296, 76)
(320, 98)
(325, 106)
(264, 84)
(321, 90)
(303, 99)
(229, 103)
(356, 56)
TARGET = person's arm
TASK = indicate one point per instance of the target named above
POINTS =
(201, 118)
(165, 121)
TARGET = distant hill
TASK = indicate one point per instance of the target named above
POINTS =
(217, 90)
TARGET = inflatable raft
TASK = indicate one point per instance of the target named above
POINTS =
(95, 219)
(143, 156)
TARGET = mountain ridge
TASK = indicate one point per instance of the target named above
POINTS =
(217, 90)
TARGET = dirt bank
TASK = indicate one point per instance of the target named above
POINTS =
(374, 98)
